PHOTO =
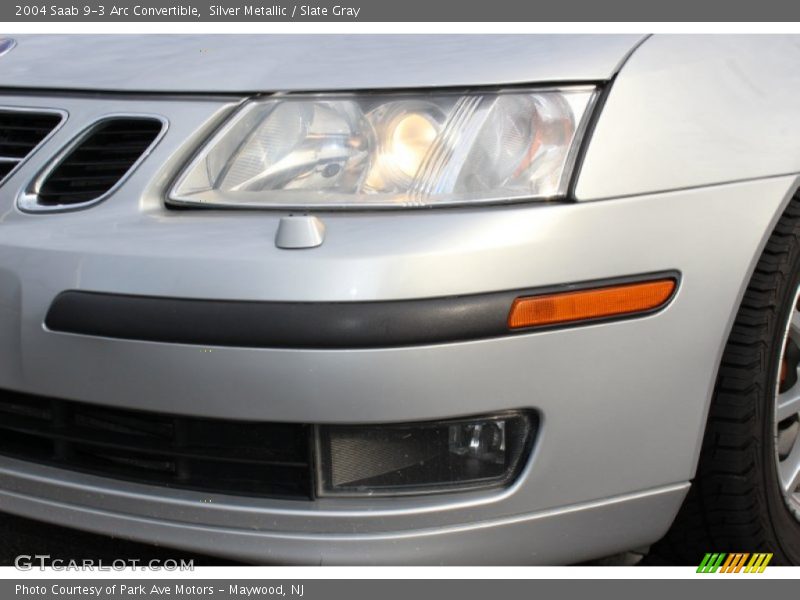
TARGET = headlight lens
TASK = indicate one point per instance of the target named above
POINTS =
(390, 150)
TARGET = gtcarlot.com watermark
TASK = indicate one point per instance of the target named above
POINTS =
(28, 562)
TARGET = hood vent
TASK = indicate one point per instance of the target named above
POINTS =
(95, 164)
(21, 132)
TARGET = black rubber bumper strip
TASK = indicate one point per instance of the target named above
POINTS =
(253, 324)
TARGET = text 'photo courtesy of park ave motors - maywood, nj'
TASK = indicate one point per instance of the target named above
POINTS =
(159, 589)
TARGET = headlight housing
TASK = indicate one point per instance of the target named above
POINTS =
(391, 150)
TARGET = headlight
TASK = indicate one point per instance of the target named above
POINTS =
(391, 150)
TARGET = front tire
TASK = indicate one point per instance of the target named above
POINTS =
(746, 494)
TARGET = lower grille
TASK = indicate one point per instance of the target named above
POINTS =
(211, 455)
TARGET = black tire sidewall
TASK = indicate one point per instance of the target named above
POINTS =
(784, 525)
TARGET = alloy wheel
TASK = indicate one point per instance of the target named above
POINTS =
(787, 413)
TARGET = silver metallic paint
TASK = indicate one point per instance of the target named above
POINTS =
(566, 535)
(693, 110)
(642, 383)
(623, 404)
(307, 63)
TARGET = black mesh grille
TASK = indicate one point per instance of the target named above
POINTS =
(212, 455)
(99, 161)
(20, 133)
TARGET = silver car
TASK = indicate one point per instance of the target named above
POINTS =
(403, 299)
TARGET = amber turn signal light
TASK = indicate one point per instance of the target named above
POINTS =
(597, 303)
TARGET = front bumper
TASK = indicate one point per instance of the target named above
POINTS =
(233, 529)
(622, 404)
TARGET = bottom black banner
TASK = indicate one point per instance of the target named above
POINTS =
(733, 588)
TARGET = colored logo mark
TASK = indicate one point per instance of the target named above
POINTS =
(738, 562)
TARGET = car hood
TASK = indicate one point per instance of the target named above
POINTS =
(272, 63)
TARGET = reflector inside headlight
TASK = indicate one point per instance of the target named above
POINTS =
(334, 151)
(423, 457)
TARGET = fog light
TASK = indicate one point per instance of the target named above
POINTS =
(413, 458)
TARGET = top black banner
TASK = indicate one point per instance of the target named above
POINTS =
(399, 11)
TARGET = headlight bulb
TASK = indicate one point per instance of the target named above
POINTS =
(411, 138)
(405, 130)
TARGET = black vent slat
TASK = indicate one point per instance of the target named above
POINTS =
(98, 164)
(25, 405)
(74, 193)
(233, 457)
(132, 150)
(158, 464)
(139, 446)
(123, 139)
(28, 119)
(121, 422)
(86, 180)
(101, 171)
(21, 132)
(107, 160)
(99, 161)
(12, 146)
(22, 127)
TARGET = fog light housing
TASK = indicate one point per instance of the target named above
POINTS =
(427, 457)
